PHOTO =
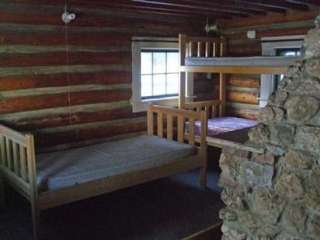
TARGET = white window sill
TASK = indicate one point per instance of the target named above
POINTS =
(159, 99)
(142, 106)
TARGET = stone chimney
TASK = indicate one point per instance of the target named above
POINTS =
(275, 194)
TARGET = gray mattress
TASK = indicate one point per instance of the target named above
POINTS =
(242, 61)
(67, 168)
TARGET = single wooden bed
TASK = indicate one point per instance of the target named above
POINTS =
(206, 55)
(52, 179)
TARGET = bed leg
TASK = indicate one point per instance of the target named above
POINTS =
(204, 172)
(35, 220)
(204, 177)
(2, 194)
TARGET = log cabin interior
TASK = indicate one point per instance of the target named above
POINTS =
(160, 119)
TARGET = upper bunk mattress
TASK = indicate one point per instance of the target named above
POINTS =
(260, 61)
(62, 169)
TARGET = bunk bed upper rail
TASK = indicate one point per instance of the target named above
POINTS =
(204, 47)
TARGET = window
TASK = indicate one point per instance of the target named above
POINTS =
(155, 72)
(277, 46)
(285, 52)
(159, 73)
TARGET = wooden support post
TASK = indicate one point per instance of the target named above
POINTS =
(182, 48)
(150, 122)
(32, 173)
(2, 193)
(182, 90)
(222, 95)
(203, 150)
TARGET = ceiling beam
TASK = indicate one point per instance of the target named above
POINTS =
(310, 3)
(202, 6)
(235, 4)
(280, 4)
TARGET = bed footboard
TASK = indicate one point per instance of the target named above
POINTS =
(18, 165)
(171, 123)
(168, 119)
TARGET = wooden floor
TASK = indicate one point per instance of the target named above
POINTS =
(167, 209)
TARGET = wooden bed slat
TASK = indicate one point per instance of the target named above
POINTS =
(150, 123)
(9, 153)
(3, 151)
(214, 49)
(181, 129)
(23, 165)
(15, 152)
(207, 51)
(169, 127)
(160, 125)
(191, 131)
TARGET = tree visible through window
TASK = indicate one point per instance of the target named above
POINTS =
(159, 73)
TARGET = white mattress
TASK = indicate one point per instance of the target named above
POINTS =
(67, 168)
(242, 61)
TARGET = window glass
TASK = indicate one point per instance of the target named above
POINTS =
(286, 52)
(172, 83)
(159, 62)
(146, 85)
(159, 84)
(146, 63)
(159, 73)
(173, 63)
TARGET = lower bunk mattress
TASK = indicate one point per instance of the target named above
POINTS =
(228, 128)
(67, 168)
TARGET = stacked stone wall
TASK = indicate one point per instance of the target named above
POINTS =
(276, 195)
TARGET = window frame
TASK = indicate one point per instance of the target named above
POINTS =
(270, 46)
(144, 43)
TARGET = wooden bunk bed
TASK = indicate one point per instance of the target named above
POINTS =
(206, 55)
(52, 179)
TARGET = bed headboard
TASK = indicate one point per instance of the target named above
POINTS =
(17, 159)
(203, 47)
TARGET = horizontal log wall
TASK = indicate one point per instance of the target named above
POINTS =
(72, 84)
(243, 91)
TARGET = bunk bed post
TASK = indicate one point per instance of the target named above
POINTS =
(222, 80)
(203, 149)
(2, 192)
(222, 94)
(2, 162)
(150, 124)
(32, 173)
(182, 92)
